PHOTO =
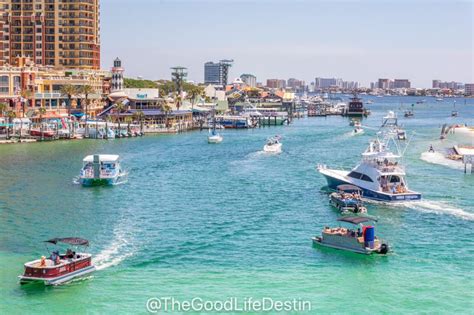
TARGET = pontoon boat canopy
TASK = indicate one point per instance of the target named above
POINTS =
(69, 240)
(102, 158)
(356, 220)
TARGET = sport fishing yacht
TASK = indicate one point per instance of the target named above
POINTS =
(379, 175)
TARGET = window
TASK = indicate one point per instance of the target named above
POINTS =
(360, 176)
(4, 84)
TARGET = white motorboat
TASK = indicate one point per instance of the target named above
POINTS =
(101, 169)
(273, 145)
(362, 241)
(357, 131)
(379, 175)
(214, 137)
(390, 124)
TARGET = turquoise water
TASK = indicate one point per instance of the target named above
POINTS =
(219, 221)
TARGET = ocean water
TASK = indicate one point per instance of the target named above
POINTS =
(226, 220)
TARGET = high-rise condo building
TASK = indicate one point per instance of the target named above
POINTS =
(59, 33)
(217, 72)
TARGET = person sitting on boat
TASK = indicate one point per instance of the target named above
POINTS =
(53, 256)
(394, 188)
(69, 253)
(359, 232)
(43, 261)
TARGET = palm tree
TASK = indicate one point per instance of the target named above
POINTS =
(128, 120)
(138, 116)
(119, 107)
(3, 107)
(69, 91)
(25, 95)
(86, 90)
(41, 112)
(10, 114)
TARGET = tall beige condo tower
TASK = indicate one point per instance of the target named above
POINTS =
(60, 33)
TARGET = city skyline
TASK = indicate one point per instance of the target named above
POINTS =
(286, 40)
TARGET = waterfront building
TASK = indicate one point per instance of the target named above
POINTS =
(469, 89)
(217, 72)
(249, 79)
(44, 85)
(215, 92)
(401, 84)
(61, 33)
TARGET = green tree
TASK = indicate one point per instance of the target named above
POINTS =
(26, 96)
(10, 115)
(139, 84)
(3, 108)
(119, 108)
(70, 91)
(86, 90)
(41, 112)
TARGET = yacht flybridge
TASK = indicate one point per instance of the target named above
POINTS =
(379, 175)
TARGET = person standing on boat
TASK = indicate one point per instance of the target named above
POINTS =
(431, 149)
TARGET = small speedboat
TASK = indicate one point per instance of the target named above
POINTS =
(362, 240)
(101, 169)
(59, 267)
(273, 145)
(409, 113)
(357, 128)
(214, 137)
(348, 198)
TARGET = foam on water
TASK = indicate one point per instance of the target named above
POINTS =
(120, 249)
(440, 159)
(431, 206)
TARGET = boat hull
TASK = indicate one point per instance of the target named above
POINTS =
(275, 148)
(60, 279)
(89, 182)
(320, 242)
(334, 181)
(214, 139)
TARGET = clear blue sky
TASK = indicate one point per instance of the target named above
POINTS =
(354, 40)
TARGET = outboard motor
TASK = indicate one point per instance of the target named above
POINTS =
(384, 248)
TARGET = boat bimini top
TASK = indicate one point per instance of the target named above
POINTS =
(356, 220)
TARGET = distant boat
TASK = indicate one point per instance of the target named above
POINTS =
(101, 169)
(214, 137)
(439, 99)
(355, 107)
(421, 102)
(273, 145)
(454, 112)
